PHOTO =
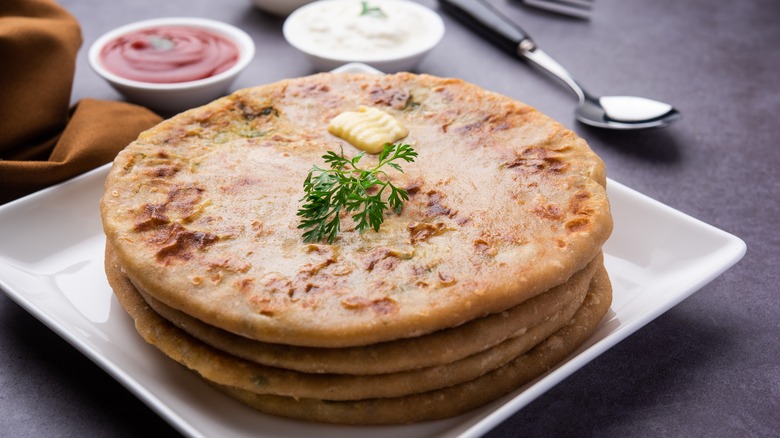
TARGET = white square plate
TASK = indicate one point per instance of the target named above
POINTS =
(51, 263)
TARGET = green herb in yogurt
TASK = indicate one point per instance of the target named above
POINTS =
(375, 11)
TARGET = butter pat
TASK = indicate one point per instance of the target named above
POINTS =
(368, 129)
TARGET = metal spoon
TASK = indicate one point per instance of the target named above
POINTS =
(613, 112)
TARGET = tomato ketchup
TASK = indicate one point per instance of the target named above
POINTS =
(169, 54)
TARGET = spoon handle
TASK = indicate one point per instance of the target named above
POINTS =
(490, 23)
(509, 36)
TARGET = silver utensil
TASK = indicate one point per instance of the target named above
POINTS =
(613, 112)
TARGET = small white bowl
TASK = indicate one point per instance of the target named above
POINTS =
(321, 31)
(168, 98)
(281, 8)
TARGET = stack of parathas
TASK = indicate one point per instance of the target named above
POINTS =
(490, 275)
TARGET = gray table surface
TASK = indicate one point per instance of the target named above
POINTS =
(708, 367)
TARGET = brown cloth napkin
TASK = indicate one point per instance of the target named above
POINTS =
(42, 140)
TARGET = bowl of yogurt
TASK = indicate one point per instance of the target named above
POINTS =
(172, 64)
(389, 35)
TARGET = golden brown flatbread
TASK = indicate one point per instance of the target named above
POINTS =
(438, 348)
(414, 407)
(225, 369)
(504, 204)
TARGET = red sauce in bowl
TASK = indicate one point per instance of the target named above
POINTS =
(169, 54)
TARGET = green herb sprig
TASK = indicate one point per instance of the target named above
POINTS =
(347, 186)
(371, 10)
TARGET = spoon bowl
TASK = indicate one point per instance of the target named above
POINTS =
(626, 112)
(612, 112)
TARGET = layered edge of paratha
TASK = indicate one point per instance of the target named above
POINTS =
(225, 369)
(428, 405)
(438, 348)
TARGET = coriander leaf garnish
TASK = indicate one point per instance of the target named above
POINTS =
(371, 10)
(347, 186)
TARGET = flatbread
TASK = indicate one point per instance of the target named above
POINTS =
(438, 348)
(225, 369)
(504, 204)
(456, 399)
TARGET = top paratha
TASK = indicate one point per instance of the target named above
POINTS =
(504, 204)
